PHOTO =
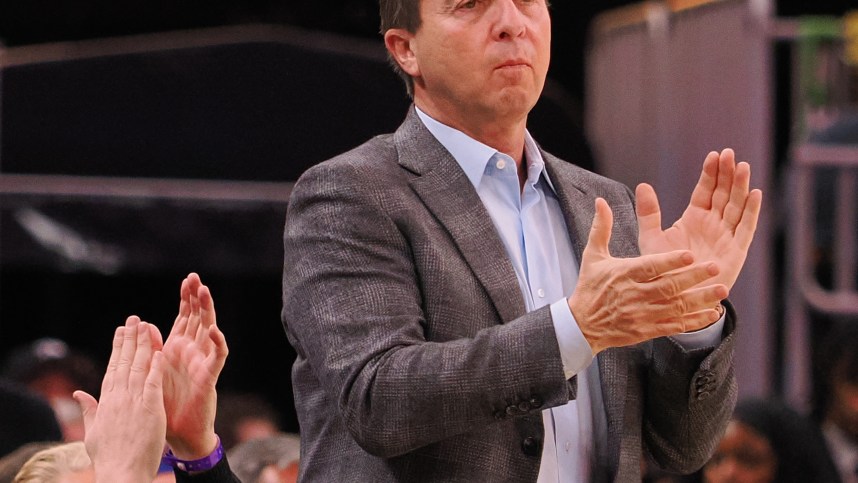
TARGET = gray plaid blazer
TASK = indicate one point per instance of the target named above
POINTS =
(416, 360)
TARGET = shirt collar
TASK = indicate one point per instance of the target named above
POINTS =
(473, 156)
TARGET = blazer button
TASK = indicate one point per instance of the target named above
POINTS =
(703, 395)
(524, 406)
(511, 410)
(535, 402)
(530, 446)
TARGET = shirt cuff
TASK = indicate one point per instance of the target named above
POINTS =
(575, 351)
(703, 338)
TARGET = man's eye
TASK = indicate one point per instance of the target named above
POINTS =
(471, 4)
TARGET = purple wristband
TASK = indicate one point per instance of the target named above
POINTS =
(202, 464)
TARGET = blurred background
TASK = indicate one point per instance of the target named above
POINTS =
(140, 141)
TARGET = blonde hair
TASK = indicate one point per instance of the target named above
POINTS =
(49, 465)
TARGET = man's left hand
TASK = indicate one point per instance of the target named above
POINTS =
(719, 223)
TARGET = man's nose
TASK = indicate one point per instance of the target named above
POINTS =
(510, 21)
(730, 470)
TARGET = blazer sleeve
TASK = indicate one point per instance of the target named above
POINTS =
(690, 397)
(353, 310)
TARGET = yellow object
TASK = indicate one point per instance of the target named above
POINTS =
(850, 37)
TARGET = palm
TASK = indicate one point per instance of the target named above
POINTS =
(705, 236)
(718, 224)
(191, 384)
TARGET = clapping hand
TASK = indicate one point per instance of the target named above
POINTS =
(719, 223)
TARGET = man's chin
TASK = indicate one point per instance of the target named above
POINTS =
(516, 102)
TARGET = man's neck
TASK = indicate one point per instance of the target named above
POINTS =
(507, 136)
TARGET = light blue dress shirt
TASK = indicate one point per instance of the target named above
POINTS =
(533, 231)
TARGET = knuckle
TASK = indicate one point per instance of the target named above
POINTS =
(649, 270)
(670, 288)
(680, 306)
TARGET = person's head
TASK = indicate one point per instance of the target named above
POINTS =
(743, 456)
(64, 463)
(267, 460)
(470, 58)
(837, 394)
(52, 369)
(12, 463)
(400, 14)
(242, 417)
(768, 442)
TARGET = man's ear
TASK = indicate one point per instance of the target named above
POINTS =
(400, 44)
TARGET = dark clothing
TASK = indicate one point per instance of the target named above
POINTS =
(221, 473)
(24, 418)
(798, 444)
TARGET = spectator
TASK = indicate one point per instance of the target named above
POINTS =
(12, 463)
(767, 442)
(24, 418)
(62, 463)
(244, 417)
(52, 369)
(267, 460)
(836, 398)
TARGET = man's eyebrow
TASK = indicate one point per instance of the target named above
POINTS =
(449, 5)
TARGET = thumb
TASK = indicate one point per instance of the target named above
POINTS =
(600, 232)
(647, 208)
(88, 406)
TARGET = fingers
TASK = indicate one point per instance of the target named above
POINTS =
(647, 208)
(649, 267)
(207, 312)
(726, 168)
(194, 285)
(181, 322)
(126, 355)
(689, 322)
(677, 294)
(748, 224)
(738, 195)
(623, 301)
(674, 283)
(142, 358)
(153, 390)
(155, 337)
(107, 382)
(217, 358)
(701, 197)
(694, 301)
(88, 406)
(600, 232)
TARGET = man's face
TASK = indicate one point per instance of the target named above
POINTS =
(481, 60)
(743, 456)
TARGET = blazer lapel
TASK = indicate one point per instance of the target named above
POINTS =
(578, 205)
(449, 195)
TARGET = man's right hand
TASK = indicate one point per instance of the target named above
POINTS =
(623, 301)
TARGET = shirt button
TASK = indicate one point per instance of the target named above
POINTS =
(541, 293)
(531, 446)
(501, 164)
(568, 446)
